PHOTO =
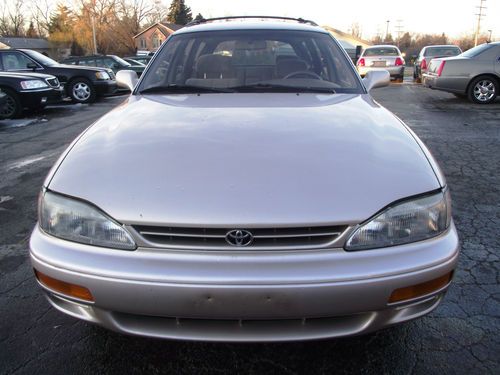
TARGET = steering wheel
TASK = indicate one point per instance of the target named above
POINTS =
(303, 72)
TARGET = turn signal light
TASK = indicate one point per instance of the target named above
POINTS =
(399, 61)
(423, 64)
(67, 289)
(419, 290)
(361, 62)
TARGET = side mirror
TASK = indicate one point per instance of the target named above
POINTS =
(116, 66)
(376, 78)
(31, 66)
(127, 79)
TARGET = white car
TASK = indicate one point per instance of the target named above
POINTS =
(382, 58)
(249, 189)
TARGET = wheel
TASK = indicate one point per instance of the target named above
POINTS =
(483, 90)
(12, 107)
(400, 79)
(81, 90)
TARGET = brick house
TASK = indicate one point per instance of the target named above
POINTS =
(151, 38)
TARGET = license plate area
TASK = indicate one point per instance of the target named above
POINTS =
(379, 63)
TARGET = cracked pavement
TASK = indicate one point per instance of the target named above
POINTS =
(460, 337)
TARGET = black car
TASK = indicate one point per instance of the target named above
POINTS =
(32, 91)
(112, 62)
(81, 84)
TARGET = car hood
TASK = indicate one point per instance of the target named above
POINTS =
(26, 75)
(245, 160)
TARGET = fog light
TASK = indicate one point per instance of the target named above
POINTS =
(419, 290)
(67, 289)
(44, 100)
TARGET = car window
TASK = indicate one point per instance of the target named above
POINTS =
(476, 51)
(235, 59)
(442, 51)
(88, 62)
(15, 61)
(381, 51)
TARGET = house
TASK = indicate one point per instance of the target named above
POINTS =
(37, 44)
(151, 38)
(348, 41)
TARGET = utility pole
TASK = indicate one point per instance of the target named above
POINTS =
(387, 31)
(489, 37)
(399, 30)
(93, 35)
(479, 16)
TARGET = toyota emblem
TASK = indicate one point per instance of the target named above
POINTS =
(239, 237)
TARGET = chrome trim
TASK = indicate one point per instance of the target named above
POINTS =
(337, 242)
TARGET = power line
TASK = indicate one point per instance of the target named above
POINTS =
(479, 16)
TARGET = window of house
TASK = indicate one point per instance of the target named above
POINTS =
(142, 43)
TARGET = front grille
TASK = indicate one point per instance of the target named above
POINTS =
(53, 82)
(288, 237)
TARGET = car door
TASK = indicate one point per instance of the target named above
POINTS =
(497, 60)
(15, 61)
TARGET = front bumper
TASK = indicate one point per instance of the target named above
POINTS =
(105, 87)
(40, 98)
(244, 296)
(394, 71)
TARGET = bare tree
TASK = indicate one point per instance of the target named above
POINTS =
(42, 11)
(12, 21)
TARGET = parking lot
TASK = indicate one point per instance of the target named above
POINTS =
(461, 336)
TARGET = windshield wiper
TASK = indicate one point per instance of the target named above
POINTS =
(186, 89)
(272, 87)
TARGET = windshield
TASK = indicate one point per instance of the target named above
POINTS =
(251, 60)
(442, 51)
(473, 52)
(120, 61)
(381, 51)
(42, 59)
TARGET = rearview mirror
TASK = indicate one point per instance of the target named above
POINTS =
(376, 78)
(127, 79)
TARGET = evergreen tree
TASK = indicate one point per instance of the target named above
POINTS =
(179, 13)
(199, 17)
(31, 33)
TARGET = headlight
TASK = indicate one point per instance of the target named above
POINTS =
(33, 84)
(409, 221)
(102, 75)
(73, 220)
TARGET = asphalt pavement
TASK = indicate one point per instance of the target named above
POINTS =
(461, 337)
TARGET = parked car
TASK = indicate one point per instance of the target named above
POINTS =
(133, 62)
(31, 91)
(474, 74)
(142, 59)
(112, 62)
(243, 195)
(382, 57)
(430, 52)
(81, 84)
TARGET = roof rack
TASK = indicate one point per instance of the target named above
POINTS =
(205, 20)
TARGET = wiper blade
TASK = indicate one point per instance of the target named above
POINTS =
(282, 88)
(183, 89)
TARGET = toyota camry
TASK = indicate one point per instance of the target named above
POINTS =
(249, 189)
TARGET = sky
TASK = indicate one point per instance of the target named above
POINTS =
(453, 17)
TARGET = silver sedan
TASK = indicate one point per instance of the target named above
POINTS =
(249, 189)
(382, 57)
(474, 74)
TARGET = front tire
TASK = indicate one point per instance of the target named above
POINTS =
(12, 107)
(81, 90)
(483, 90)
